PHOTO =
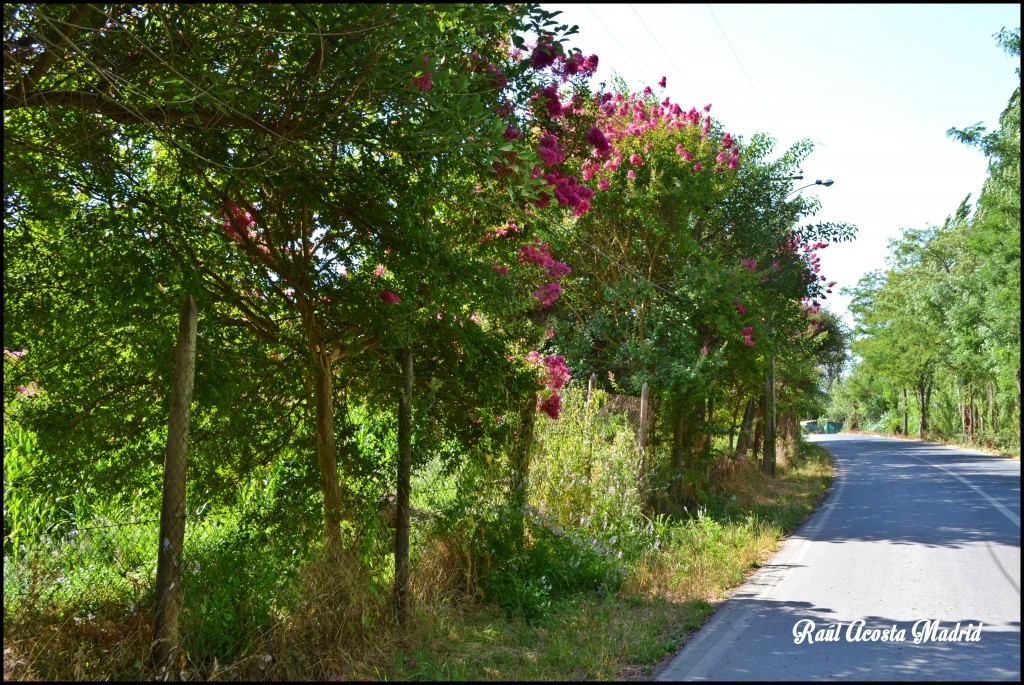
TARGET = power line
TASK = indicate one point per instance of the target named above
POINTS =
(664, 52)
(616, 39)
(740, 64)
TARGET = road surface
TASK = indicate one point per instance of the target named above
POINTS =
(909, 571)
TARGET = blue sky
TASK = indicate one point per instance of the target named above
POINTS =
(874, 86)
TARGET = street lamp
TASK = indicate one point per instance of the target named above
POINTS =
(827, 182)
(769, 384)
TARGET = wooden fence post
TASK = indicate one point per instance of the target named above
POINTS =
(591, 386)
(165, 647)
(645, 410)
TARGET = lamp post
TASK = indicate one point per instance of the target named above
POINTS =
(827, 182)
(768, 464)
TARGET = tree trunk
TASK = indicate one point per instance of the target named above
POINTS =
(732, 424)
(922, 404)
(743, 443)
(708, 418)
(960, 406)
(402, 526)
(973, 412)
(758, 429)
(906, 411)
(165, 647)
(645, 418)
(769, 420)
(991, 408)
(327, 456)
(519, 462)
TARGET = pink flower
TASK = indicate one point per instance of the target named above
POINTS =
(379, 271)
(556, 374)
(389, 297)
(499, 268)
(550, 406)
(739, 306)
(647, 90)
(750, 264)
(636, 160)
(630, 174)
(543, 55)
(603, 184)
(423, 81)
(747, 330)
(598, 140)
(547, 294)
(550, 333)
(662, 82)
(748, 342)
(698, 166)
(704, 350)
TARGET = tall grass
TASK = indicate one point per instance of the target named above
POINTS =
(596, 588)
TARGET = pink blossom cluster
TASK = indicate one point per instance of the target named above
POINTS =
(501, 232)
(747, 331)
(548, 98)
(749, 264)
(543, 55)
(554, 376)
(575, 64)
(547, 294)
(423, 80)
(550, 151)
(621, 116)
(238, 224)
(809, 306)
(538, 255)
(14, 355)
(598, 140)
(237, 220)
(739, 306)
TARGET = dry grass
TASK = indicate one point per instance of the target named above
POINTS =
(340, 625)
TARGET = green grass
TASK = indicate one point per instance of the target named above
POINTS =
(601, 590)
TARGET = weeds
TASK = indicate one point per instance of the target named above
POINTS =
(584, 583)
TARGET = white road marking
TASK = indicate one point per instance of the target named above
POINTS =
(1002, 510)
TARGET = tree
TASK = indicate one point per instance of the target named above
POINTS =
(296, 165)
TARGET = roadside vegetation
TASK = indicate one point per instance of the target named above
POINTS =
(937, 336)
(480, 360)
(600, 591)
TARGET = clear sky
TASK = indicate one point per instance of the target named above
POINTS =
(874, 86)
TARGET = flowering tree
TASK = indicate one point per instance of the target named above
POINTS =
(311, 168)
(686, 261)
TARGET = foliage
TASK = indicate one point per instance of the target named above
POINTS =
(945, 315)
(335, 184)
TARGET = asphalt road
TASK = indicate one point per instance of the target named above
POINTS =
(910, 534)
